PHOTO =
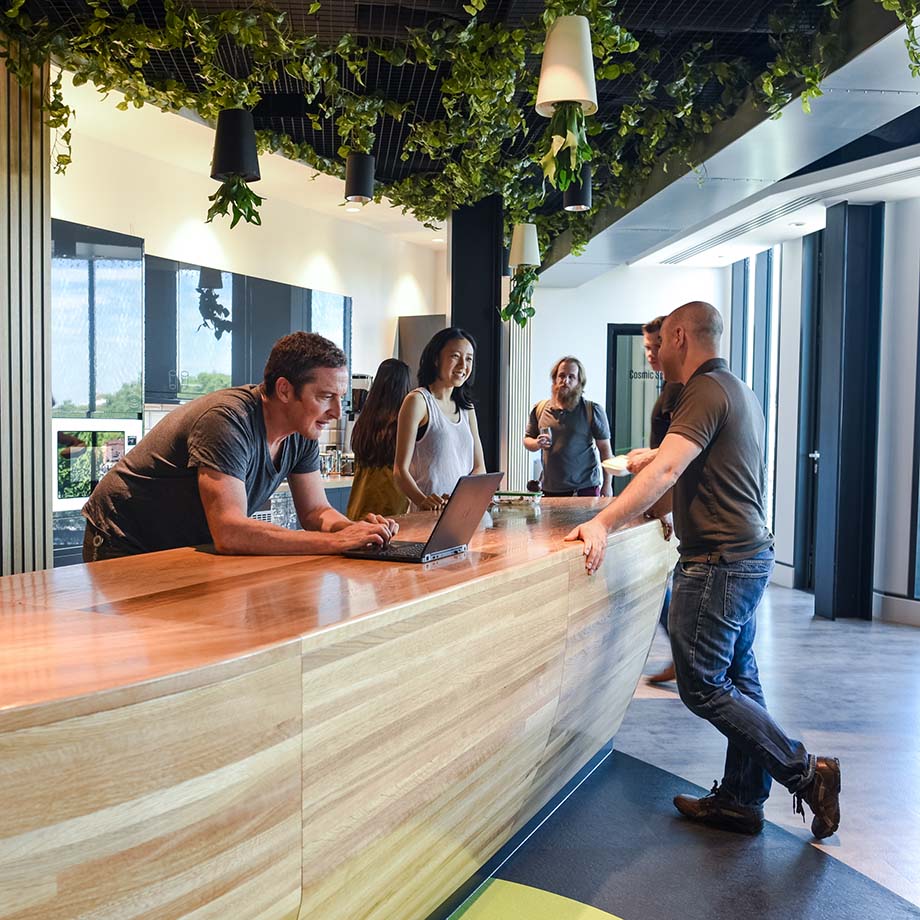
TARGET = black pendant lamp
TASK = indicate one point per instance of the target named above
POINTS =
(235, 147)
(578, 197)
(359, 177)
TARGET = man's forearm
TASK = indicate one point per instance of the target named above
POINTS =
(324, 519)
(258, 538)
(638, 496)
(532, 444)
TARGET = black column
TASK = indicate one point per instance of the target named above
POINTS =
(475, 296)
(848, 405)
(739, 317)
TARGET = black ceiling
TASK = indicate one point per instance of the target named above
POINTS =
(738, 30)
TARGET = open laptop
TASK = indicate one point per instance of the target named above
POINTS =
(455, 527)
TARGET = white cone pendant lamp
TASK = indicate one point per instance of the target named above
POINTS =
(525, 248)
(567, 71)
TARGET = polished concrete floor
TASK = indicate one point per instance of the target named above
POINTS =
(848, 688)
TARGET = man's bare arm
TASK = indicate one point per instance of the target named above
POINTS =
(674, 456)
(235, 533)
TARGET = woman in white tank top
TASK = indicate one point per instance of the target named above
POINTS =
(437, 437)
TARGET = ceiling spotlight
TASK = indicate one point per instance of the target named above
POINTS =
(577, 197)
(359, 177)
(797, 223)
(352, 208)
(438, 239)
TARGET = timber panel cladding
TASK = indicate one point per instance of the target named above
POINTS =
(25, 370)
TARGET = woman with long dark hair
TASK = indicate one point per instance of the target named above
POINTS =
(437, 438)
(373, 441)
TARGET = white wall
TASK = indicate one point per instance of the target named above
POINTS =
(574, 320)
(787, 419)
(112, 187)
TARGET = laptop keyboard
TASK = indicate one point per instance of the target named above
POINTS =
(403, 550)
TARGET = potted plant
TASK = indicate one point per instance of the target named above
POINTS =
(566, 93)
(235, 164)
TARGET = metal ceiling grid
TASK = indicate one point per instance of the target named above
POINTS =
(738, 29)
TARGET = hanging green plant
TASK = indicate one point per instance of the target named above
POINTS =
(235, 195)
(907, 11)
(213, 313)
(523, 282)
(568, 146)
(478, 143)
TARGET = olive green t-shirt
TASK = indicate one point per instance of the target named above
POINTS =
(719, 499)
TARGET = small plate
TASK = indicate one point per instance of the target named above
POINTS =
(616, 465)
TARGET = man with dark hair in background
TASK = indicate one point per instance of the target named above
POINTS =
(197, 476)
(566, 428)
(660, 422)
(712, 456)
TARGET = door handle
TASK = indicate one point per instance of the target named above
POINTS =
(814, 456)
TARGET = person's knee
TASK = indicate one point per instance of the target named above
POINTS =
(699, 697)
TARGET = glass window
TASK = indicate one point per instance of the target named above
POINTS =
(119, 327)
(70, 336)
(204, 336)
(97, 333)
(330, 317)
(97, 322)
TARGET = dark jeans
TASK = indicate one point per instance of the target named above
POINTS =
(712, 626)
(587, 492)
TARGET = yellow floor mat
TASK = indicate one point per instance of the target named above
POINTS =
(501, 900)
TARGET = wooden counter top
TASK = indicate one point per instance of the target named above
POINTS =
(87, 629)
(185, 735)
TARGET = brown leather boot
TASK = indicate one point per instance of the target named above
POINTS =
(823, 797)
(718, 810)
(663, 676)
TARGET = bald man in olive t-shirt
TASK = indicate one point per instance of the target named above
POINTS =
(713, 458)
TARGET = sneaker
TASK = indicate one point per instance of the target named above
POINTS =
(718, 810)
(823, 797)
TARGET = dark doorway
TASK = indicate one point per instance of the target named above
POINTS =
(632, 388)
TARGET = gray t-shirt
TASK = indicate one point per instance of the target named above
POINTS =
(571, 463)
(662, 411)
(149, 500)
(719, 499)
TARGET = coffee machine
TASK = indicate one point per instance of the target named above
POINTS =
(360, 386)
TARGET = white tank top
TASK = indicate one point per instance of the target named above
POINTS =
(444, 452)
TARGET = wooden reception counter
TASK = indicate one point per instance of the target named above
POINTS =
(189, 735)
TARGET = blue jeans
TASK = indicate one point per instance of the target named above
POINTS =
(712, 625)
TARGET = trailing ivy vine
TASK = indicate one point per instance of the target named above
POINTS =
(519, 307)
(479, 144)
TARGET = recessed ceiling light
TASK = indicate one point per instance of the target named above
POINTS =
(437, 239)
(797, 223)
(352, 209)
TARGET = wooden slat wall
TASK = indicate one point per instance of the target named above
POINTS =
(519, 459)
(25, 370)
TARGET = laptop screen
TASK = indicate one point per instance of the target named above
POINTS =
(460, 518)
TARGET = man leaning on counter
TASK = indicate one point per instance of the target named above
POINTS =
(199, 474)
